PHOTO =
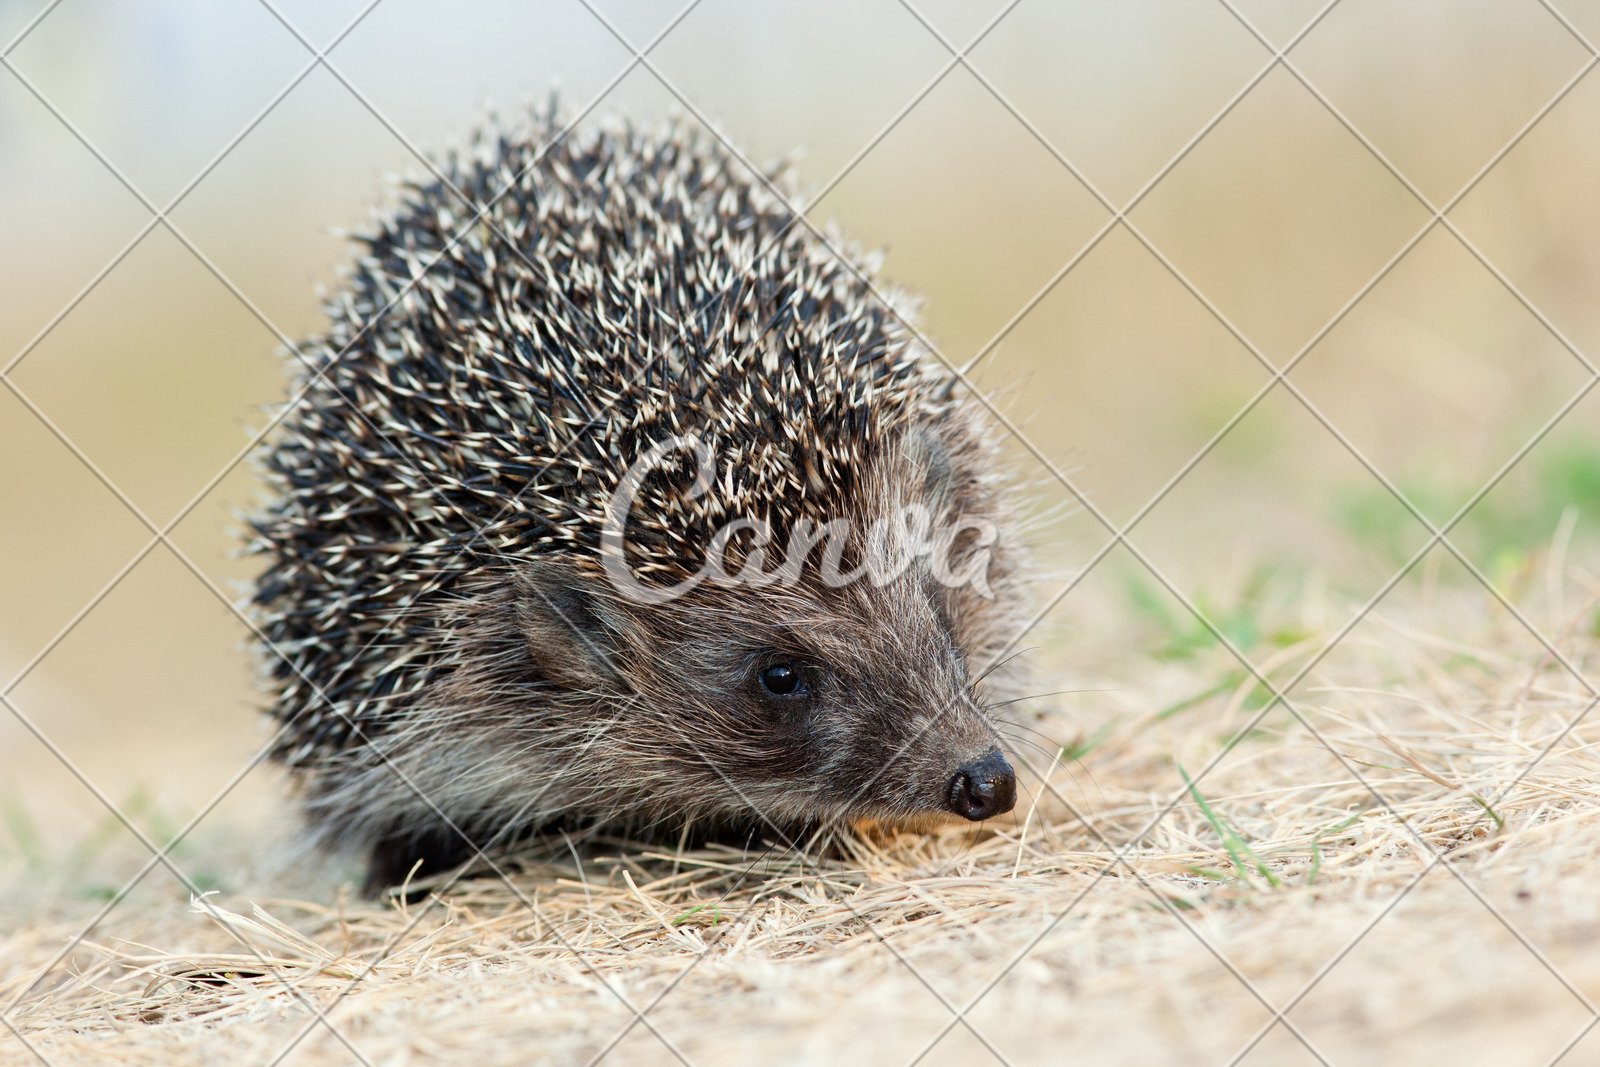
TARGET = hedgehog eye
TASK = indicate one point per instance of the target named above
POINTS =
(782, 680)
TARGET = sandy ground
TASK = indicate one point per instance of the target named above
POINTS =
(1399, 867)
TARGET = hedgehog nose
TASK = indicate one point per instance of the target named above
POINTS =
(983, 788)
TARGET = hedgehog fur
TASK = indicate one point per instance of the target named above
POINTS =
(449, 665)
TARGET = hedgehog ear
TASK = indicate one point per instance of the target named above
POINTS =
(572, 629)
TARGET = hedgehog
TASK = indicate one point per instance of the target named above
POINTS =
(615, 495)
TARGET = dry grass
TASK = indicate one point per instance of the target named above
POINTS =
(1084, 932)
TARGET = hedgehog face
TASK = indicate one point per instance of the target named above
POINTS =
(785, 709)
(794, 702)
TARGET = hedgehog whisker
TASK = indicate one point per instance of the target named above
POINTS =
(1002, 662)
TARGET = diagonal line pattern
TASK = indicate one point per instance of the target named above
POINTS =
(640, 55)
(32, 24)
(1578, 1037)
(824, 240)
(1438, 215)
(799, 850)
(1405, 890)
(959, 57)
(1360, 614)
(799, 215)
(1189, 606)
(41, 415)
(360, 736)
(318, 1017)
(1121, 859)
(313, 378)
(101, 275)
(1440, 218)
(290, 405)
(243, 299)
(1438, 534)
(481, 855)
(161, 216)
(159, 855)
(1439, 537)
(1118, 215)
(158, 217)
(1277, 695)
(652, 44)
(436, 895)
(1087, 568)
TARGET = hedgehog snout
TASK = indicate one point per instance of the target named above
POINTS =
(983, 788)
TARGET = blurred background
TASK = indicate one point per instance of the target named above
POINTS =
(1454, 359)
